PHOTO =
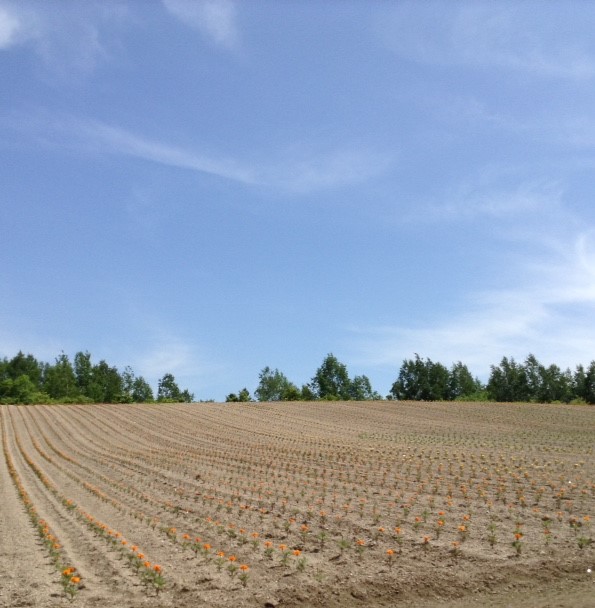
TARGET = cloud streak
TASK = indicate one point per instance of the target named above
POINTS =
(216, 19)
(524, 37)
(549, 314)
(10, 27)
(297, 172)
(69, 42)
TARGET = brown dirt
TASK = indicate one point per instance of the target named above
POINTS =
(330, 480)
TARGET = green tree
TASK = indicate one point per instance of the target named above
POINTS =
(555, 385)
(25, 365)
(20, 390)
(141, 391)
(307, 394)
(83, 370)
(273, 385)
(360, 389)
(242, 397)
(106, 384)
(421, 380)
(331, 380)
(168, 390)
(60, 381)
(508, 382)
(461, 383)
(589, 386)
(534, 373)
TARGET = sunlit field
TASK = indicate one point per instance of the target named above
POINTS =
(287, 504)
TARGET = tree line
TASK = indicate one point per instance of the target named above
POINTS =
(24, 379)
(425, 380)
(330, 382)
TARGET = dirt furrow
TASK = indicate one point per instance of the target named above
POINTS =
(39, 582)
(104, 575)
(181, 567)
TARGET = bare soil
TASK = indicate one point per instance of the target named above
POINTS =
(326, 504)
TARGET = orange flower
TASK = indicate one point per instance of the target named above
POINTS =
(221, 554)
(157, 568)
(140, 555)
(206, 547)
(518, 536)
(390, 552)
(268, 544)
(244, 567)
(232, 558)
(397, 530)
(147, 565)
(75, 580)
(361, 542)
(297, 552)
(282, 547)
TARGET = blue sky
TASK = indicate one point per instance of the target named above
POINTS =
(208, 188)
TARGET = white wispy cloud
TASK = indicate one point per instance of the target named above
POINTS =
(293, 171)
(537, 197)
(70, 41)
(217, 19)
(531, 37)
(549, 311)
(10, 27)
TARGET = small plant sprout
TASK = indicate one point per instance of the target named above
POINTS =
(517, 542)
(268, 549)
(425, 543)
(304, 530)
(584, 541)
(492, 538)
(244, 569)
(72, 586)
(390, 557)
(232, 567)
(301, 562)
(344, 544)
(360, 547)
(285, 553)
(157, 578)
(456, 548)
(322, 538)
(398, 537)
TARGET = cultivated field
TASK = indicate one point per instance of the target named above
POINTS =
(297, 504)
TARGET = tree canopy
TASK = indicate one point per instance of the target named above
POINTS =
(24, 379)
